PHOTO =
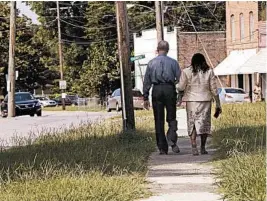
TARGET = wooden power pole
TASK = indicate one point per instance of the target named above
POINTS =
(60, 53)
(124, 56)
(159, 21)
(11, 63)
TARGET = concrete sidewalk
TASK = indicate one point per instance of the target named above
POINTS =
(181, 177)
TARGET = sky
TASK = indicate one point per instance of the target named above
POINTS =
(27, 11)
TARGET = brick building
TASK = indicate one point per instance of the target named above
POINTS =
(241, 25)
(262, 34)
(244, 38)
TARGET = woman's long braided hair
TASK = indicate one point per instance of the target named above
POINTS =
(199, 63)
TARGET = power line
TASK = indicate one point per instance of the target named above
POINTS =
(86, 3)
(195, 6)
(86, 37)
(100, 41)
(88, 28)
(88, 43)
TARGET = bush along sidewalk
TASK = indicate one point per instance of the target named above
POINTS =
(89, 163)
(240, 139)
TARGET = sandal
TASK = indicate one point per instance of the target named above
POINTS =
(195, 150)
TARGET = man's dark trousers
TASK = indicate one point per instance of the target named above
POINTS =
(165, 96)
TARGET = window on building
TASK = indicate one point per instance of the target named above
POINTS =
(242, 27)
(251, 26)
(233, 28)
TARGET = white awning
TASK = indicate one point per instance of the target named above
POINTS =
(255, 64)
(231, 65)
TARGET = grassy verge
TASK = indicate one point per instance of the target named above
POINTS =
(240, 139)
(75, 108)
(93, 162)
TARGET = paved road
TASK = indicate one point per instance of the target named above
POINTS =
(25, 125)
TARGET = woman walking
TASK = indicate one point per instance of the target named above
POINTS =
(198, 86)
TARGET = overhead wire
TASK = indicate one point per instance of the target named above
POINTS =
(84, 27)
(214, 15)
(100, 41)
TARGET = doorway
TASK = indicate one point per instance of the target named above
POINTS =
(240, 81)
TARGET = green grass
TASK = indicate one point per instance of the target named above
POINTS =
(93, 162)
(240, 139)
(75, 108)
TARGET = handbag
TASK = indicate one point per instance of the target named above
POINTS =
(218, 111)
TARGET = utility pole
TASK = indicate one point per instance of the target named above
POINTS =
(124, 56)
(11, 63)
(60, 54)
(159, 20)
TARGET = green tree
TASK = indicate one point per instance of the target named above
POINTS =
(32, 73)
(72, 13)
(100, 72)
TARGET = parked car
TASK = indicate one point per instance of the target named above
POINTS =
(46, 102)
(25, 104)
(233, 95)
(58, 100)
(114, 101)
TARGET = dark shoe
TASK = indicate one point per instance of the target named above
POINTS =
(163, 152)
(175, 149)
(203, 151)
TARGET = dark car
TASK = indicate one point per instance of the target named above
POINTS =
(25, 104)
(74, 99)
(59, 101)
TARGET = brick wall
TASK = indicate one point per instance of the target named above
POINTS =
(188, 45)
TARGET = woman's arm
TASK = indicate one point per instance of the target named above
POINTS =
(214, 89)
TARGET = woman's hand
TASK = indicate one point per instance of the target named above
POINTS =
(146, 105)
(179, 103)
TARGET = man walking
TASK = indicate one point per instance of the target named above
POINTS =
(163, 73)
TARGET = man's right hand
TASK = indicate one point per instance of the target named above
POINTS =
(146, 105)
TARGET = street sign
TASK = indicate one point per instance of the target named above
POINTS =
(8, 85)
(62, 84)
(17, 75)
(64, 95)
(142, 56)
